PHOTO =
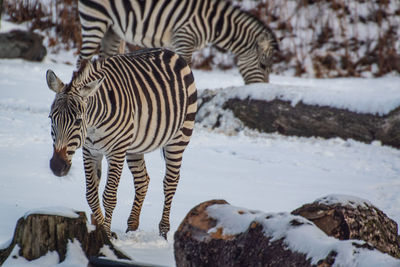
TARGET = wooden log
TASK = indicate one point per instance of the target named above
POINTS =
(37, 234)
(304, 120)
(362, 221)
(216, 234)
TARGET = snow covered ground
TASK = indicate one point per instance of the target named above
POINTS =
(266, 172)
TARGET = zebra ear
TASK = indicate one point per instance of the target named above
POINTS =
(264, 43)
(267, 43)
(90, 89)
(53, 82)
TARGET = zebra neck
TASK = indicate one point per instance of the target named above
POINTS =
(95, 111)
(239, 36)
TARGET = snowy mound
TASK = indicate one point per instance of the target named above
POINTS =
(378, 98)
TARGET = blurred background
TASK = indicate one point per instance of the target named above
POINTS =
(318, 38)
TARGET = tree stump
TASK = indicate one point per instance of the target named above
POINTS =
(353, 219)
(37, 234)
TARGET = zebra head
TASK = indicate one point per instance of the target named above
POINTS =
(255, 64)
(68, 119)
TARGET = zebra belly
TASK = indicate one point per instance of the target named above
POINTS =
(98, 141)
(152, 36)
(148, 40)
(150, 135)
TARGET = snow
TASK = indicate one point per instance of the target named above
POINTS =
(58, 211)
(7, 26)
(267, 172)
(305, 238)
(50, 259)
(374, 96)
(74, 257)
(344, 200)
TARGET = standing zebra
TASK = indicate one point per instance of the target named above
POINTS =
(122, 107)
(181, 25)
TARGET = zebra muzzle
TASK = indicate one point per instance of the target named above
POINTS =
(58, 163)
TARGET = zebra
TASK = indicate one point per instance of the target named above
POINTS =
(180, 25)
(122, 107)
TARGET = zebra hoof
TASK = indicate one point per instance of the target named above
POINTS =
(164, 234)
(114, 235)
(164, 229)
(130, 230)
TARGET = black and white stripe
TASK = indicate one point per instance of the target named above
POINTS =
(181, 25)
(122, 107)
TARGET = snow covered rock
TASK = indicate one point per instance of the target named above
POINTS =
(22, 44)
(215, 233)
(42, 231)
(347, 217)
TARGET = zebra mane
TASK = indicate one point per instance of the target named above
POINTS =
(273, 41)
(85, 71)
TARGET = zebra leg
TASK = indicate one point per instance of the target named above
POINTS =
(92, 164)
(115, 165)
(173, 152)
(91, 40)
(184, 43)
(141, 179)
(110, 44)
(173, 159)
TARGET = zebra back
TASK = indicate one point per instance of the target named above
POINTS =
(144, 100)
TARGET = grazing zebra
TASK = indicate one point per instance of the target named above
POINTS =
(181, 25)
(122, 107)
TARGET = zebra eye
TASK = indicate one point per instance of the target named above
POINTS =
(78, 121)
(263, 66)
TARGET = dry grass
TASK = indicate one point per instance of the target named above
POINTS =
(58, 20)
(334, 38)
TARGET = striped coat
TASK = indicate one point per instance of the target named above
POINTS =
(181, 25)
(121, 108)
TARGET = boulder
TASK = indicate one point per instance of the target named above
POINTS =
(215, 233)
(347, 217)
(22, 44)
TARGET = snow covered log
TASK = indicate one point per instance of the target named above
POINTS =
(22, 44)
(215, 233)
(39, 232)
(276, 112)
(346, 217)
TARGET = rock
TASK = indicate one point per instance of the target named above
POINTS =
(215, 233)
(22, 44)
(346, 217)
(37, 234)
